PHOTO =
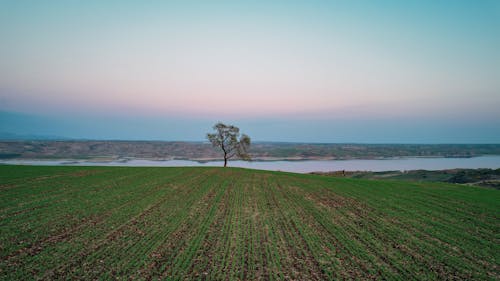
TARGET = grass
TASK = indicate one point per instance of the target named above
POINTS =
(477, 177)
(238, 224)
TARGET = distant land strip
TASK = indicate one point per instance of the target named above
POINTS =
(202, 151)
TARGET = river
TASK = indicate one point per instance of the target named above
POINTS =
(305, 166)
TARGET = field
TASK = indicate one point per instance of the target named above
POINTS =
(238, 224)
(477, 177)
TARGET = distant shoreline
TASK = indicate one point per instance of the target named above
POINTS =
(106, 159)
(109, 151)
(402, 164)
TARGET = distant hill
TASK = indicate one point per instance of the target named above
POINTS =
(24, 137)
(38, 148)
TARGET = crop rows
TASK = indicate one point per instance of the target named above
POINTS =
(237, 224)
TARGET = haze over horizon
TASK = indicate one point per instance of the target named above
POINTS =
(297, 71)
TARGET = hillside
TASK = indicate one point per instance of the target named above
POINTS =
(477, 177)
(238, 224)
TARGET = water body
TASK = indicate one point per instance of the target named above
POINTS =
(492, 162)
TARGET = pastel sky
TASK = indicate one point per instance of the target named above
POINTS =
(319, 71)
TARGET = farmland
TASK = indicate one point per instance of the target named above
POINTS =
(238, 224)
(477, 177)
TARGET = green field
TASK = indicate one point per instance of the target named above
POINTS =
(238, 224)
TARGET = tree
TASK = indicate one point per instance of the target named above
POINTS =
(226, 138)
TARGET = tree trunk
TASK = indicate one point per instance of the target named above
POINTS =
(225, 161)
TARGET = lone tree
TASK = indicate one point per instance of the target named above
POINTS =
(226, 138)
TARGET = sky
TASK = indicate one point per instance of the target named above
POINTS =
(298, 71)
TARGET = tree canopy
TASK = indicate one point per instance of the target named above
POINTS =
(228, 139)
